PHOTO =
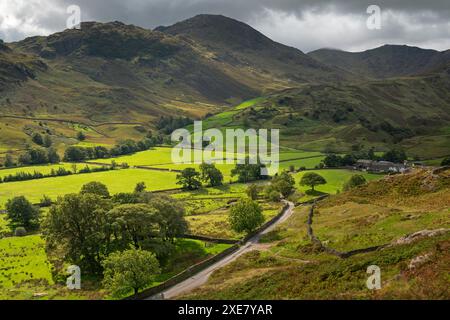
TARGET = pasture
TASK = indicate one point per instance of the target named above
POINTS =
(123, 180)
(336, 178)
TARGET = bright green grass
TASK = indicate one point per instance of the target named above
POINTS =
(335, 179)
(161, 156)
(309, 163)
(4, 227)
(117, 181)
(23, 259)
(225, 191)
(44, 169)
(226, 118)
(288, 155)
(145, 158)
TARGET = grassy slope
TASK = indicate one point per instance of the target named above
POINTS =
(289, 267)
(334, 117)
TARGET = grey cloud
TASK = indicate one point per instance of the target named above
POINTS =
(411, 22)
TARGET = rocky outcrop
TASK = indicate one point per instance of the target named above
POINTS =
(419, 235)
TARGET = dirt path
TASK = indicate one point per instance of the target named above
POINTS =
(203, 276)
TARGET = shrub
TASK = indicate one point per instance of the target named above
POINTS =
(20, 232)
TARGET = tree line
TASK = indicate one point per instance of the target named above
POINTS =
(60, 172)
(334, 160)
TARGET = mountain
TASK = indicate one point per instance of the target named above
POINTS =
(117, 80)
(16, 68)
(235, 43)
(384, 62)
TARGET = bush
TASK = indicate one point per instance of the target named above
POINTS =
(96, 188)
(45, 201)
(354, 181)
(253, 191)
(20, 232)
(22, 213)
(129, 271)
(246, 216)
(446, 162)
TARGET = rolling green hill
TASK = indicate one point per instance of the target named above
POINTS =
(411, 113)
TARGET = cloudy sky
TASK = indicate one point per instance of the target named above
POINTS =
(305, 24)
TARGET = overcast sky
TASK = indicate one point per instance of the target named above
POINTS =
(305, 24)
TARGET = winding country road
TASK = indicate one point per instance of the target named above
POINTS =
(201, 277)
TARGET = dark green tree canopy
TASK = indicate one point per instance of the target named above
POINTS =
(96, 188)
(76, 225)
(211, 175)
(129, 271)
(284, 184)
(312, 180)
(189, 179)
(22, 213)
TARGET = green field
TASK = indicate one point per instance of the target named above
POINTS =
(336, 178)
(123, 180)
(44, 169)
(309, 163)
(23, 259)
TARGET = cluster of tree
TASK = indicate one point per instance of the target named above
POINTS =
(60, 172)
(97, 232)
(248, 172)
(282, 185)
(35, 156)
(21, 213)
(246, 216)
(42, 140)
(74, 153)
(169, 124)
(191, 179)
(334, 161)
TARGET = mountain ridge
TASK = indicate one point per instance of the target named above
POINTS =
(386, 61)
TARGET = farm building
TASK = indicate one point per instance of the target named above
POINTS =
(380, 166)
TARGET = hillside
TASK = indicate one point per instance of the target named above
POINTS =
(235, 43)
(115, 80)
(16, 68)
(412, 113)
(410, 228)
(384, 62)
